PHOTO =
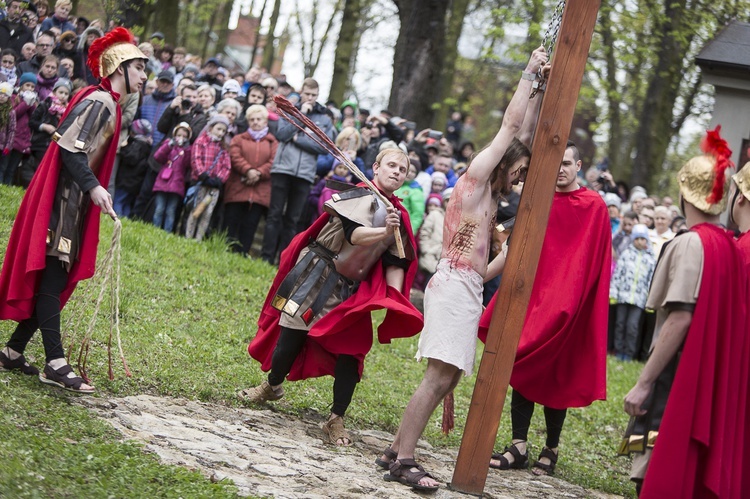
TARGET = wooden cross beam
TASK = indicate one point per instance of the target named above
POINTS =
(553, 128)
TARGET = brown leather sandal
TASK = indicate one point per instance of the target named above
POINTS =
(541, 469)
(261, 393)
(409, 473)
(335, 430)
(390, 454)
(520, 461)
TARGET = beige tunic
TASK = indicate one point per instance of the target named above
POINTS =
(677, 279)
(70, 203)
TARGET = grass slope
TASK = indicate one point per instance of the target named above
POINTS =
(188, 311)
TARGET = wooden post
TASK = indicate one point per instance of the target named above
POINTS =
(555, 118)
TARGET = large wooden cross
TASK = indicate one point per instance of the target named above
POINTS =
(553, 128)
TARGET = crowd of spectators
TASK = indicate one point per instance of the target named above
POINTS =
(204, 150)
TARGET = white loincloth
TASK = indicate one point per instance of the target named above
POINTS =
(453, 307)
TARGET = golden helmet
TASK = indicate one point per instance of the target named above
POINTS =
(703, 180)
(742, 179)
(109, 51)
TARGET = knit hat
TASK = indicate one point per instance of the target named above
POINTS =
(447, 193)
(68, 35)
(231, 85)
(217, 118)
(63, 82)
(185, 126)
(141, 127)
(190, 68)
(435, 199)
(639, 230)
(440, 176)
(27, 78)
(612, 199)
(6, 88)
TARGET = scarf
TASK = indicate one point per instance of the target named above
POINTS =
(10, 75)
(257, 136)
(56, 108)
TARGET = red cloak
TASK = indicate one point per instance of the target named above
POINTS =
(347, 329)
(743, 242)
(700, 451)
(25, 258)
(561, 357)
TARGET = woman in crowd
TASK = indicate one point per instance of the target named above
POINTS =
(248, 189)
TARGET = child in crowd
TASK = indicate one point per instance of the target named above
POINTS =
(210, 166)
(439, 182)
(169, 188)
(431, 236)
(7, 126)
(23, 106)
(629, 291)
(412, 196)
(340, 174)
(621, 240)
(133, 166)
(8, 59)
(43, 123)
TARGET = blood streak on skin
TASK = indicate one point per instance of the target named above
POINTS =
(463, 241)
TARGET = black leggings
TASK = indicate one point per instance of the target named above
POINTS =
(346, 373)
(521, 410)
(46, 313)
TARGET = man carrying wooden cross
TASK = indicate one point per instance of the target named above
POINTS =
(316, 319)
(453, 299)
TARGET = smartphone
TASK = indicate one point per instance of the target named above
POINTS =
(434, 134)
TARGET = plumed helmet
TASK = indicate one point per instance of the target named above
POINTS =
(109, 51)
(703, 180)
(742, 180)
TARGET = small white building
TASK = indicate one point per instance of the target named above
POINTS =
(725, 63)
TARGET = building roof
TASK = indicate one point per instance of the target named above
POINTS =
(729, 51)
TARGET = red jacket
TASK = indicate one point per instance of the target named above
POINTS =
(247, 154)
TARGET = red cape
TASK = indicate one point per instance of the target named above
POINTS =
(26, 255)
(561, 358)
(700, 451)
(347, 329)
(743, 242)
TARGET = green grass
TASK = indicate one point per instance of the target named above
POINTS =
(187, 312)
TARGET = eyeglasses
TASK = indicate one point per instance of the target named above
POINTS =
(270, 87)
(43, 45)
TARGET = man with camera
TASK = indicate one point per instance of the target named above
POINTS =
(375, 131)
(293, 172)
(184, 109)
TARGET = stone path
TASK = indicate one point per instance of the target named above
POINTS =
(269, 454)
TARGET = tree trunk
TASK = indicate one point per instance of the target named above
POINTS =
(164, 18)
(223, 23)
(344, 55)
(418, 59)
(655, 131)
(257, 34)
(269, 54)
(454, 27)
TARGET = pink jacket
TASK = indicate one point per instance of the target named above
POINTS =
(175, 161)
(22, 138)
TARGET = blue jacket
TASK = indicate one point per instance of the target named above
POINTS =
(299, 158)
(152, 108)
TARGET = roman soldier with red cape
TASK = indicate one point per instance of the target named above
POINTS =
(55, 235)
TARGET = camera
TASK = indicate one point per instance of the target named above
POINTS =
(186, 104)
(434, 134)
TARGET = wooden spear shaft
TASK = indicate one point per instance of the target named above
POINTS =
(553, 129)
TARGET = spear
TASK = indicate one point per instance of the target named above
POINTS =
(295, 117)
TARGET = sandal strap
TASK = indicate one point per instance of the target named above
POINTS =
(61, 375)
(547, 452)
(403, 468)
(515, 452)
(390, 453)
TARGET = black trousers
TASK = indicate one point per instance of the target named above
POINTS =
(521, 410)
(241, 222)
(288, 199)
(46, 313)
(346, 373)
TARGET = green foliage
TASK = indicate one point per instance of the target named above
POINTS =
(188, 311)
